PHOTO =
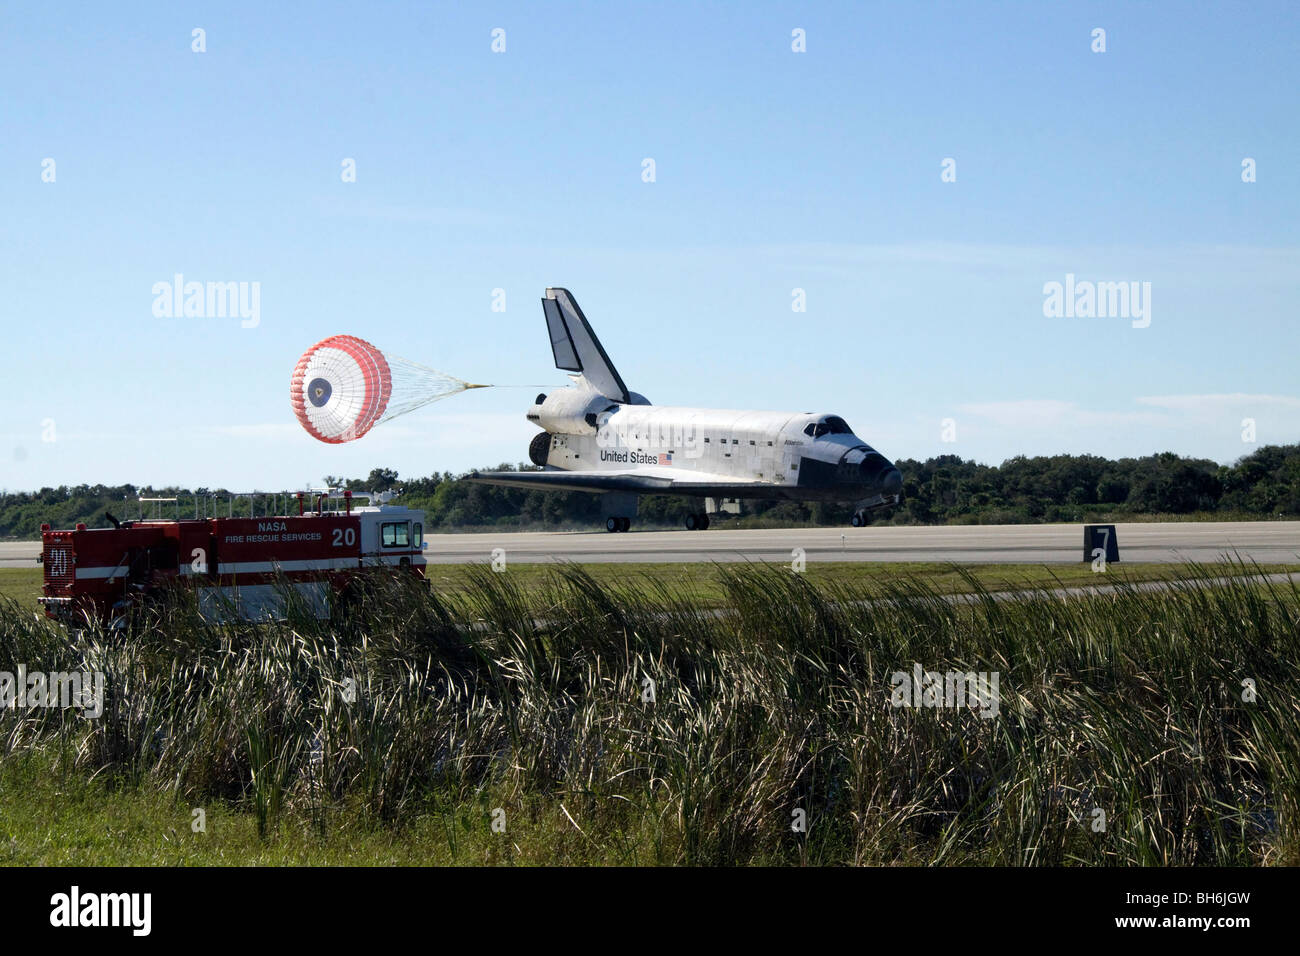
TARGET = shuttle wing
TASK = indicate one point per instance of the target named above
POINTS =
(645, 481)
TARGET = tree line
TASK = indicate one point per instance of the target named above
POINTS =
(941, 490)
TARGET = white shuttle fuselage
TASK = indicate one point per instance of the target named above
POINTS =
(598, 436)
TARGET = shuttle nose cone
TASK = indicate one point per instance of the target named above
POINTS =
(891, 482)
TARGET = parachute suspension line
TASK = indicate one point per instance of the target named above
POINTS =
(416, 385)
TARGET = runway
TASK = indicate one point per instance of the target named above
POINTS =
(1267, 542)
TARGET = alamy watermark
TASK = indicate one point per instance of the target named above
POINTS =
(29, 690)
(208, 300)
(129, 910)
(977, 690)
(1086, 299)
(645, 443)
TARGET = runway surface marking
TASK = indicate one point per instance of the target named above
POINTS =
(1267, 542)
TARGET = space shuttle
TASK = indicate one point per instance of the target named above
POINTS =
(598, 436)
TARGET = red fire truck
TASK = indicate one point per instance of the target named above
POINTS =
(238, 566)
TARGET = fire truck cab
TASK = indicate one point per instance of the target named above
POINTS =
(239, 567)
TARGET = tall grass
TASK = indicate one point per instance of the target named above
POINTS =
(663, 730)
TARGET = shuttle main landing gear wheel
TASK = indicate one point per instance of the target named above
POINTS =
(859, 519)
(699, 522)
(617, 524)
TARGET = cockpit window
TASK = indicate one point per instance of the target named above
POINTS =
(830, 425)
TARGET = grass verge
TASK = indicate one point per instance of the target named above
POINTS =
(634, 721)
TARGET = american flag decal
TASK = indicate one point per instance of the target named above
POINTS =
(666, 459)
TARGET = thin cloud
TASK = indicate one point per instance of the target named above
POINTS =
(1195, 424)
(276, 431)
(1219, 402)
(428, 215)
(461, 429)
(1052, 413)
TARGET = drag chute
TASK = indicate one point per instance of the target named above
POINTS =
(340, 388)
(343, 386)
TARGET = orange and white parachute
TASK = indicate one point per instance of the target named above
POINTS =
(343, 386)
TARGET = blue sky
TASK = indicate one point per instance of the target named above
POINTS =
(775, 170)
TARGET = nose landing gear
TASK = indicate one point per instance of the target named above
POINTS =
(697, 522)
(615, 523)
(862, 516)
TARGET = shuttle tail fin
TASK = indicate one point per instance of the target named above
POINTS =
(576, 348)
